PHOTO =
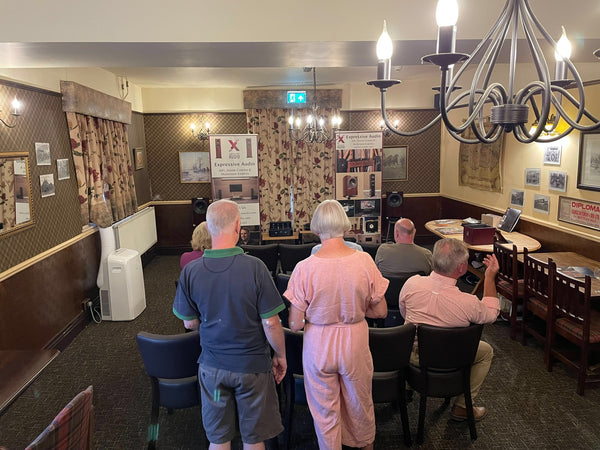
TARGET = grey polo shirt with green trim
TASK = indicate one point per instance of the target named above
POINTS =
(230, 293)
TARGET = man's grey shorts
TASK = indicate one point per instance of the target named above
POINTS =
(256, 399)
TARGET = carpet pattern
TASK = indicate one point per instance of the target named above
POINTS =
(528, 407)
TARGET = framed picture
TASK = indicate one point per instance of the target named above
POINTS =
(138, 155)
(395, 163)
(532, 177)
(42, 154)
(47, 185)
(552, 154)
(194, 167)
(517, 197)
(557, 181)
(579, 212)
(62, 169)
(541, 203)
(588, 172)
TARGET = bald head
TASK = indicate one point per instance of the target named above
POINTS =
(223, 218)
(404, 231)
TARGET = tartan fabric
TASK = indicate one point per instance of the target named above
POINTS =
(71, 429)
(505, 288)
(537, 307)
(567, 326)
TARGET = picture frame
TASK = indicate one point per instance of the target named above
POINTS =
(62, 169)
(541, 203)
(42, 154)
(194, 167)
(532, 176)
(588, 168)
(47, 187)
(557, 181)
(395, 163)
(552, 154)
(579, 212)
(138, 158)
(517, 197)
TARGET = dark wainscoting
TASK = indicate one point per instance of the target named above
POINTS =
(41, 306)
(552, 240)
(174, 228)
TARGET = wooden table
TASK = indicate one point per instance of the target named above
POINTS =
(571, 259)
(522, 241)
(266, 237)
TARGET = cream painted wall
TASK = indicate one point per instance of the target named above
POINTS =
(93, 77)
(161, 100)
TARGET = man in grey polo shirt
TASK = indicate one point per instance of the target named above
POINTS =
(231, 298)
(404, 256)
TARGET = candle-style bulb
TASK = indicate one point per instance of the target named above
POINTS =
(207, 127)
(193, 127)
(16, 104)
(563, 47)
(446, 13)
(385, 47)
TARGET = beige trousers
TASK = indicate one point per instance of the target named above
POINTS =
(479, 370)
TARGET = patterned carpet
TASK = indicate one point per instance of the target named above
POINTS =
(529, 408)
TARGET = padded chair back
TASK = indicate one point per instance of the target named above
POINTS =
(72, 428)
(291, 254)
(293, 351)
(269, 254)
(293, 380)
(371, 249)
(448, 348)
(282, 282)
(396, 283)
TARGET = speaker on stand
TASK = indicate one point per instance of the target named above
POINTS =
(392, 210)
(199, 206)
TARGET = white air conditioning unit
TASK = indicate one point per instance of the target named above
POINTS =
(124, 296)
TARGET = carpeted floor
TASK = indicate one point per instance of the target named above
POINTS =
(529, 408)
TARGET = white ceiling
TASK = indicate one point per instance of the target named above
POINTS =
(223, 46)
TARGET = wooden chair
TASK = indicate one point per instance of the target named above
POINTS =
(537, 276)
(571, 316)
(391, 349)
(171, 362)
(508, 283)
(72, 428)
(445, 359)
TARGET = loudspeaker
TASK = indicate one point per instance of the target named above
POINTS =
(371, 225)
(199, 206)
(253, 196)
(392, 207)
(350, 186)
(372, 185)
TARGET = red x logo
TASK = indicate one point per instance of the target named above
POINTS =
(233, 145)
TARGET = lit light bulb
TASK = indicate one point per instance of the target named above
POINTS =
(207, 127)
(16, 104)
(446, 13)
(193, 127)
(385, 47)
(563, 47)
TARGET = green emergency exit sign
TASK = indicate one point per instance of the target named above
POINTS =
(296, 96)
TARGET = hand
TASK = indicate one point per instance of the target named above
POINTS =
(279, 368)
(491, 263)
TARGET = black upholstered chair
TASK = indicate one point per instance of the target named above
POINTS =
(282, 282)
(269, 254)
(392, 294)
(291, 254)
(293, 382)
(445, 359)
(391, 349)
(171, 363)
(371, 249)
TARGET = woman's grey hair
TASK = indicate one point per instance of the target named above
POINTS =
(201, 238)
(329, 220)
(221, 217)
(448, 254)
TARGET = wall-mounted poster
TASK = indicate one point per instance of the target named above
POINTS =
(480, 165)
(541, 203)
(395, 163)
(138, 155)
(588, 173)
(552, 154)
(42, 154)
(517, 197)
(47, 185)
(194, 167)
(532, 177)
(62, 169)
(579, 212)
(234, 169)
(557, 181)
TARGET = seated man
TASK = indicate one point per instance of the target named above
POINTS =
(436, 300)
(404, 256)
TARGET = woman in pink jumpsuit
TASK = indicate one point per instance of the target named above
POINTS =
(331, 292)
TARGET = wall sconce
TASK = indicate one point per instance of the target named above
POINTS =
(16, 105)
(201, 134)
(553, 127)
(386, 130)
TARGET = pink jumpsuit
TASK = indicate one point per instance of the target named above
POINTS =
(335, 293)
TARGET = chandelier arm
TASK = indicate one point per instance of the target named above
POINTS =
(403, 133)
(8, 125)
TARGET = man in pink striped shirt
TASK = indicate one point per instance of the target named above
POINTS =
(436, 300)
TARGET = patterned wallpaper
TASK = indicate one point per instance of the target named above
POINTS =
(135, 133)
(57, 218)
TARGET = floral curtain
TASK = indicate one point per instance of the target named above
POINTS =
(8, 215)
(102, 162)
(285, 165)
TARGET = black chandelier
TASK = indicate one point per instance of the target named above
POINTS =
(510, 109)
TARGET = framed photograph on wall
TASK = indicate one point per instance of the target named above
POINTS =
(532, 177)
(552, 154)
(541, 203)
(42, 154)
(194, 167)
(517, 197)
(588, 172)
(62, 169)
(557, 181)
(395, 163)
(47, 187)
(138, 158)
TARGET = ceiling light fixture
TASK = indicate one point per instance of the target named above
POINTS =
(510, 109)
(202, 133)
(314, 129)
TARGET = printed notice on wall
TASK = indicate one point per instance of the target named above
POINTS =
(579, 212)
